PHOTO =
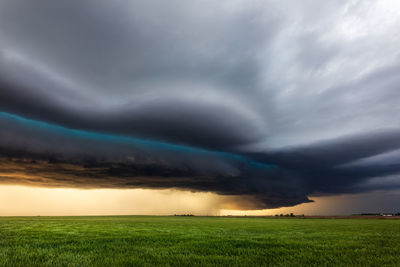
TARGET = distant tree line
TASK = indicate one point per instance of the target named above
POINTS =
(380, 214)
(288, 215)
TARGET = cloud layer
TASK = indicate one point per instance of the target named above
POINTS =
(265, 100)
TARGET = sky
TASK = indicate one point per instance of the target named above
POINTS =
(205, 107)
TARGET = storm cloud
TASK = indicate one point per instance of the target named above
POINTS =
(270, 101)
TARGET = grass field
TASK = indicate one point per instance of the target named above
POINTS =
(197, 241)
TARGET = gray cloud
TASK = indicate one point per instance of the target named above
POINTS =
(313, 93)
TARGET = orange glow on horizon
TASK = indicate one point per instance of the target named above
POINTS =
(17, 200)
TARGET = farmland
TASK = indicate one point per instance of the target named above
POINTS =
(198, 241)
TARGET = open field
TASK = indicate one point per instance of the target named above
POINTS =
(147, 240)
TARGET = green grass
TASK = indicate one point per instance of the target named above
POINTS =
(197, 241)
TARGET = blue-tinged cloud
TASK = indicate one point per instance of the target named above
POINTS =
(52, 155)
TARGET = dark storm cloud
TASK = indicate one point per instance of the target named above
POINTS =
(40, 154)
(249, 98)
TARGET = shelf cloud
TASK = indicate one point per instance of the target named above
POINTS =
(271, 102)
